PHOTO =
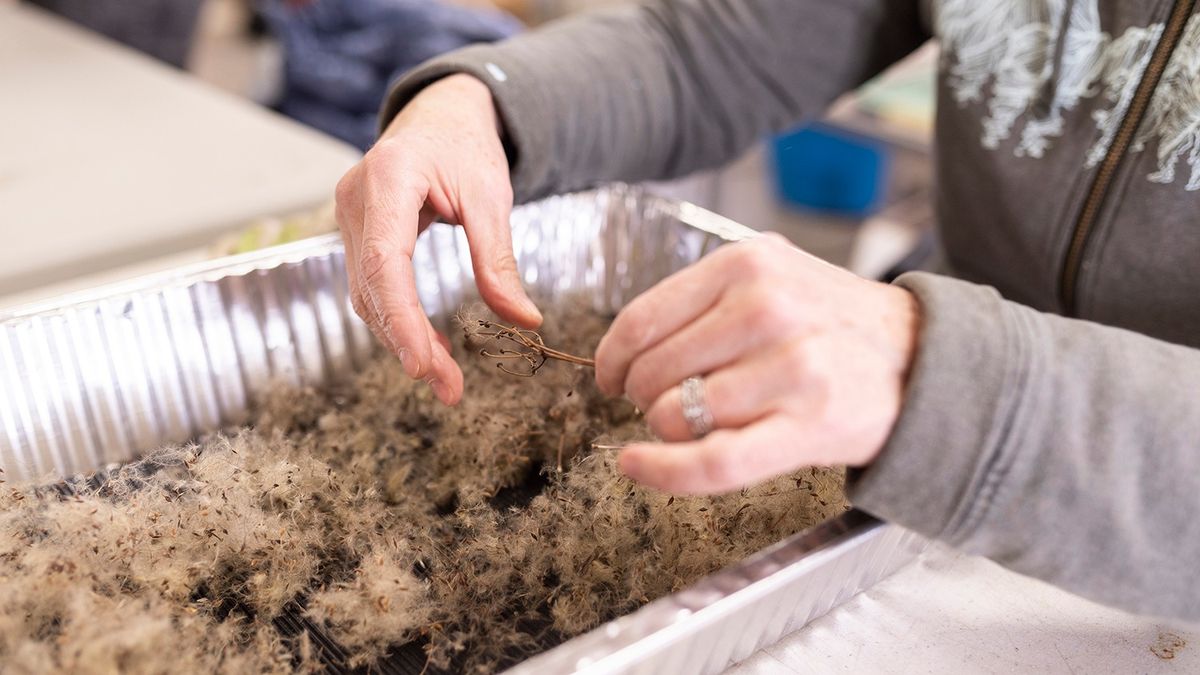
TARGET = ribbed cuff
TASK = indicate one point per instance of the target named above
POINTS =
(965, 379)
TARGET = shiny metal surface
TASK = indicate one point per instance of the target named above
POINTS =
(97, 378)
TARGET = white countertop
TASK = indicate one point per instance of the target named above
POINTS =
(951, 613)
(109, 158)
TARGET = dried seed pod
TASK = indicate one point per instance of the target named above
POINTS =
(520, 351)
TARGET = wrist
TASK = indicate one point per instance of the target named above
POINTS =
(466, 93)
(467, 88)
(900, 325)
(903, 325)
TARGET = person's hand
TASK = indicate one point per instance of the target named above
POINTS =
(804, 364)
(440, 157)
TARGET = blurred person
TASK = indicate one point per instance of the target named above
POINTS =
(340, 56)
(1035, 404)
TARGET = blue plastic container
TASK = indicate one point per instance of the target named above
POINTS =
(825, 168)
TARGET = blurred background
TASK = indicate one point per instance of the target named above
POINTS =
(151, 133)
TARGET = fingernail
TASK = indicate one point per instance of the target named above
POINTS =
(411, 367)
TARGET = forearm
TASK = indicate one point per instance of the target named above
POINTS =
(663, 88)
(1063, 449)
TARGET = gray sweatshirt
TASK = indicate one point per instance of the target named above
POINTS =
(1052, 420)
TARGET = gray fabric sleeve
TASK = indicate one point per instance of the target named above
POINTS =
(665, 87)
(1066, 450)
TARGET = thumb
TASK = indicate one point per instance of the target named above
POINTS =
(490, 237)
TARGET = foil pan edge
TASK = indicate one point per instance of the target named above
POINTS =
(92, 379)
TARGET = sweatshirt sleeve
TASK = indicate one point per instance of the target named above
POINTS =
(1063, 449)
(661, 88)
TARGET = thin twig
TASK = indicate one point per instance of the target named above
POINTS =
(521, 345)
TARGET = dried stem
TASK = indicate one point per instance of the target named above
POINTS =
(520, 345)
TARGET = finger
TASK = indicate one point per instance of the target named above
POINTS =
(442, 372)
(358, 297)
(652, 316)
(721, 462)
(443, 340)
(426, 218)
(737, 395)
(357, 300)
(445, 377)
(489, 234)
(741, 323)
(348, 212)
(390, 212)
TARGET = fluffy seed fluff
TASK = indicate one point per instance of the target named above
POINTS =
(389, 518)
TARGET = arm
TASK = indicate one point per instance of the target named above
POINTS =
(1063, 449)
(648, 91)
(663, 88)
(1066, 450)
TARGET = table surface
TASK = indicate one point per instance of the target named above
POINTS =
(952, 613)
(109, 158)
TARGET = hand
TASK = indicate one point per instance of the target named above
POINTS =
(804, 364)
(441, 157)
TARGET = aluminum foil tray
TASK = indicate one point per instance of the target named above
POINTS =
(92, 380)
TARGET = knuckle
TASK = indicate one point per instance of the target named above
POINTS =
(822, 385)
(393, 163)
(382, 147)
(759, 319)
(505, 262)
(640, 326)
(796, 359)
(766, 310)
(637, 386)
(381, 152)
(630, 326)
(390, 147)
(811, 373)
(378, 168)
(372, 260)
(751, 263)
(347, 187)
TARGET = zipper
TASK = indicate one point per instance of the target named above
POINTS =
(1172, 32)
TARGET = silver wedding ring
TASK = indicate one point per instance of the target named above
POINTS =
(695, 409)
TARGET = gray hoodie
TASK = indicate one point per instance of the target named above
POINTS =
(1052, 420)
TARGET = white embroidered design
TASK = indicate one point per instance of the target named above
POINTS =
(1120, 70)
(1010, 46)
(1174, 114)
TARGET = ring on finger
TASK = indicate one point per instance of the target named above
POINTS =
(696, 412)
